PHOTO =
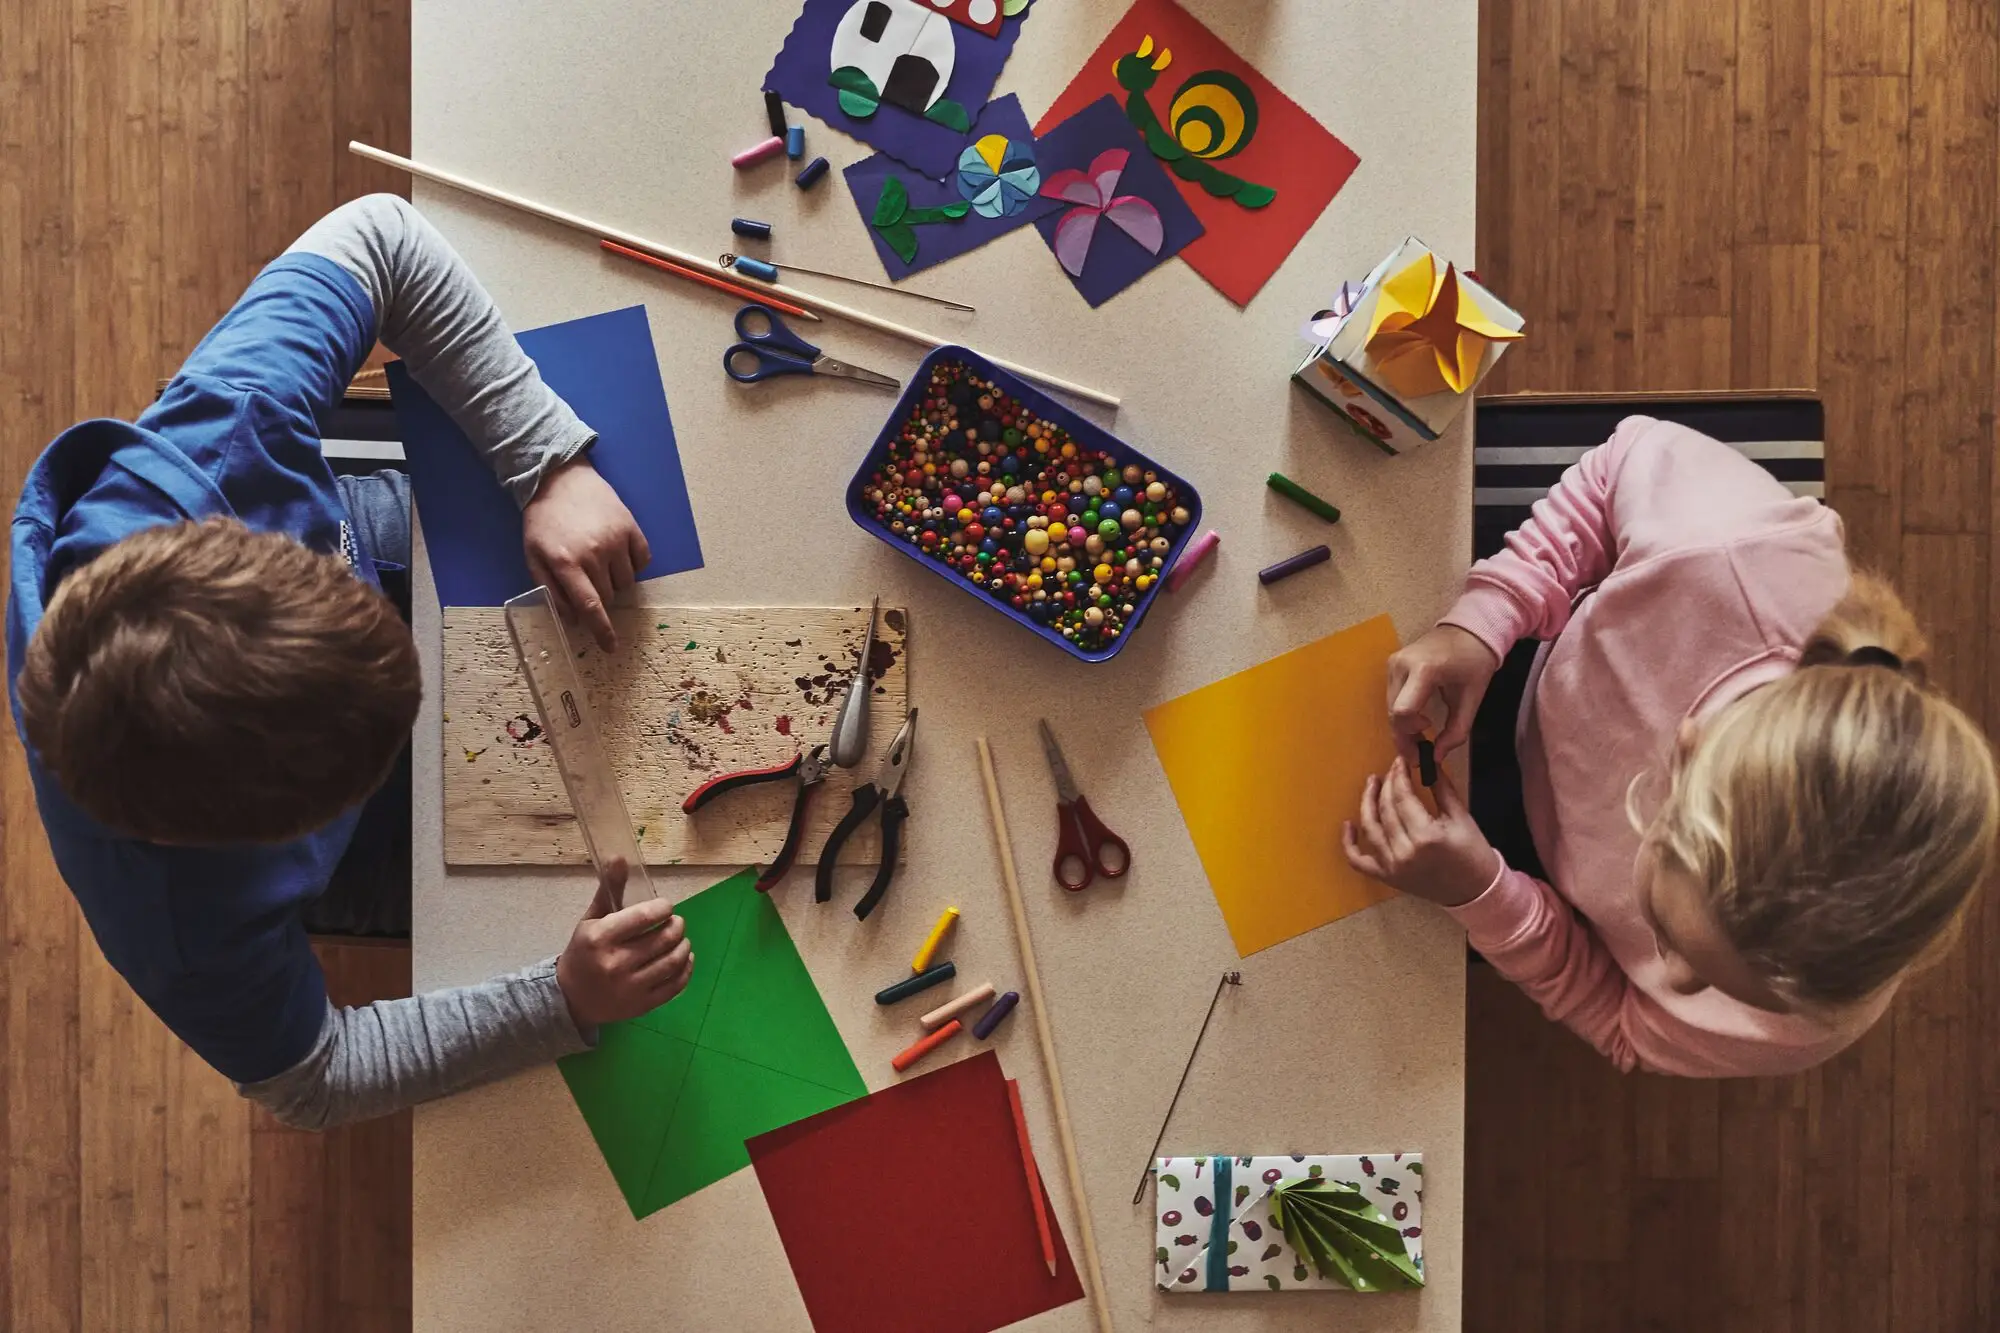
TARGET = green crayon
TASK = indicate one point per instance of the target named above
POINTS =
(909, 986)
(1298, 494)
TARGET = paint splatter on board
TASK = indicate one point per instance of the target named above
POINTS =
(720, 658)
(880, 658)
(661, 625)
(523, 730)
(642, 832)
(894, 619)
(692, 645)
(784, 725)
(471, 755)
(794, 643)
(705, 707)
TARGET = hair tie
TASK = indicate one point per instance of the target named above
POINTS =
(1874, 656)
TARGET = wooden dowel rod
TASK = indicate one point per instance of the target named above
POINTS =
(601, 232)
(1095, 1273)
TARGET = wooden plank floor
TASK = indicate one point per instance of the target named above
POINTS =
(1759, 194)
(1683, 193)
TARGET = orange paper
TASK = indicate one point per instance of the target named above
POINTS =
(1265, 765)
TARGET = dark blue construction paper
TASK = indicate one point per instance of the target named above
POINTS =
(604, 367)
(939, 241)
(799, 75)
(1116, 260)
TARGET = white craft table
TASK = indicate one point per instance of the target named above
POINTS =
(1347, 1039)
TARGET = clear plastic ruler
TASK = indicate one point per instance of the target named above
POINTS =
(572, 734)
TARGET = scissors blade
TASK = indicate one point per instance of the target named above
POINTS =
(897, 764)
(1065, 784)
(827, 365)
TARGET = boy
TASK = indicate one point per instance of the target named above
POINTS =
(209, 681)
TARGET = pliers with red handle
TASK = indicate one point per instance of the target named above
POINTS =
(809, 769)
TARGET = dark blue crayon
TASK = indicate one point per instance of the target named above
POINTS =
(750, 227)
(923, 981)
(814, 170)
(994, 1015)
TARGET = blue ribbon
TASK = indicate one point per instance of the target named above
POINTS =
(1218, 1225)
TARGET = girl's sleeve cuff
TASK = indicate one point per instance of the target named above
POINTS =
(1488, 614)
(1498, 913)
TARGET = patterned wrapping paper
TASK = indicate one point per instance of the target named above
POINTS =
(1192, 1216)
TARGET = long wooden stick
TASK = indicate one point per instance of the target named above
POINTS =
(1001, 839)
(599, 231)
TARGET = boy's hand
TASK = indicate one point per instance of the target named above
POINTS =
(583, 545)
(1447, 661)
(625, 963)
(1441, 857)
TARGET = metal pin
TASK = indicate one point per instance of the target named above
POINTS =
(1228, 979)
(729, 261)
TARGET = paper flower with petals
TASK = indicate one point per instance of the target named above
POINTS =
(1326, 323)
(999, 176)
(1095, 194)
(1428, 334)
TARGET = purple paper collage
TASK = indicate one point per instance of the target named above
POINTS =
(960, 170)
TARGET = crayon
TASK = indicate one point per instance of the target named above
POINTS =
(1299, 495)
(929, 948)
(814, 169)
(1284, 569)
(923, 981)
(755, 230)
(1192, 554)
(926, 1046)
(993, 1017)
(795, 142)
(1034, 1176)
(756, 153)
(1427, 761)
(952, 1008)
(774, 107)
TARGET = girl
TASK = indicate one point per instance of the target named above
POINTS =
(1756, 816)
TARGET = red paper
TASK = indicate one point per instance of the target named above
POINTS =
(909, 1209)
(979, 15)
(1289, 150)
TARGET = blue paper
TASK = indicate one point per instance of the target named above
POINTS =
(604, 367)
(1116, 261)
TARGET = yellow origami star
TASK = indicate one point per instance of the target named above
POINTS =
(1428, 335)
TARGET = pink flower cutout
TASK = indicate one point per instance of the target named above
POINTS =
(1095, 194)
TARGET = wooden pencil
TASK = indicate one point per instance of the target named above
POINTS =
(1094, 1276)
(708, 280)
(1035, 1197)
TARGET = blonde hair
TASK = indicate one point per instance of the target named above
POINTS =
(201, 683)
(1841, 818)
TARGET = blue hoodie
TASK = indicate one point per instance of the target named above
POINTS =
(209, 937)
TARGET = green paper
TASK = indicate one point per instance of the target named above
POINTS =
(859, 97)
(747, 1048)
(902, 238)
(1013, 7)
(892, 203)
(1137, 74)
(1343, 1235)
(950, 115)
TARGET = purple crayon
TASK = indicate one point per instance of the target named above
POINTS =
(1284, 569)
(994, 1016)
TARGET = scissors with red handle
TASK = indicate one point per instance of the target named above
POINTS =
(1085, 849)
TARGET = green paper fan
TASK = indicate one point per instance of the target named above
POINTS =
(1342, 1234)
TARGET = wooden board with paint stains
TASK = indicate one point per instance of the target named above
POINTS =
(691, 692)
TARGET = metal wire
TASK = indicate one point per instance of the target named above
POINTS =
(1228, 979)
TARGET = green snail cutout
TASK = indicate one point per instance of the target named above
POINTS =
(1213, 116)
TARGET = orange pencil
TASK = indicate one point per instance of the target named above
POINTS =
(1034, 1177)
(926, 1046)
(761, 297)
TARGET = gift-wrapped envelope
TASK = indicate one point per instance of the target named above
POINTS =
(1289, 1223)
(1405, 362)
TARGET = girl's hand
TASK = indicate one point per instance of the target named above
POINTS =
(1441, 857)
(1449, 662)
(583, 545)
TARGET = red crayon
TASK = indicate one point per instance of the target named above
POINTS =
(1034, 1176)
(926, 1046)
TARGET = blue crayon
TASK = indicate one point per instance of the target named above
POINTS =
(1284, 569)
(759, 269)
(755, 230)
(795, 142)
(995, 1015)
(813, 171)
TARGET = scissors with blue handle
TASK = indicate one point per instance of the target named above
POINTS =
(769, 347)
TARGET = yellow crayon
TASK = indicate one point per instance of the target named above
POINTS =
(935, 938)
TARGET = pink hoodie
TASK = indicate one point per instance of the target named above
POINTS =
(1671, 576)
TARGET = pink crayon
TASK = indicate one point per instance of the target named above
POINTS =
(1196, 552)
(750, 157)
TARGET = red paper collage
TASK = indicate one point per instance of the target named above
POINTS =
(909, 1209)
(1197, 101)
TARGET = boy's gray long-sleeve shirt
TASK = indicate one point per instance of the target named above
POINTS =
(378, 1058)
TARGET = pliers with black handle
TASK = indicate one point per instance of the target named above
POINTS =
(810, 770)
(884, 794)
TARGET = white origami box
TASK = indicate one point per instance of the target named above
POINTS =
(1298, 1223)
(1403, 362)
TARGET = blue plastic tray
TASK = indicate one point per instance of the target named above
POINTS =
(1086, 433)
